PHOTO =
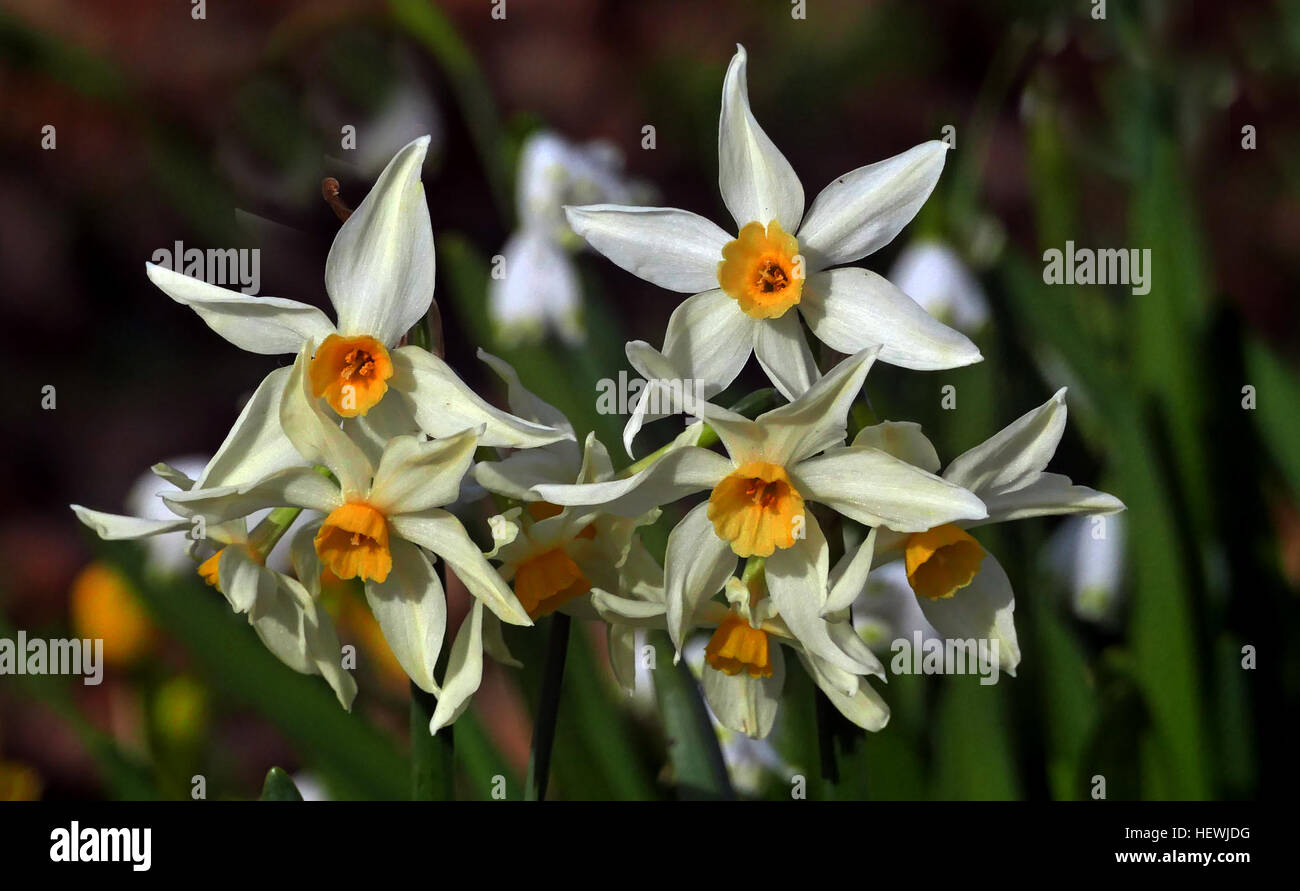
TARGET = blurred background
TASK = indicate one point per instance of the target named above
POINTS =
(1157, 656)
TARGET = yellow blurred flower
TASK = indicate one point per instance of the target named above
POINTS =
(104, 606)
(19, 782)
(181, 710)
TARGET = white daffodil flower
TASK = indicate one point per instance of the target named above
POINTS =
(376, 520)
(379, 277)
(745, 286)
(284, 614)
(962, 589)
(554, 556)
(757, 504)
(934, 275)
(1087, 554)
(539, 287)
(744, 669)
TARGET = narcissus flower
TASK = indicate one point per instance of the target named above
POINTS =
(285, 616)
(777, 465)
(555, 555)
(751, 289)
(962, 589)
(377, 517)
(539, 288)
(936, 277)
(744, 663)
(379, 276)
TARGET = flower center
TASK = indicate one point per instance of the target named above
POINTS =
(353, 543)
(209, 569)
(942, 560)
(547, 581)
(762, 270)
(351, 373)
(738, 646)
(757, 509)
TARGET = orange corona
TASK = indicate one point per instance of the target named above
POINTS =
(351, 373)
(762, 270)
(757, 509)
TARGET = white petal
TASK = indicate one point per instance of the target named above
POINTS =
(443, 405)
(849, 576)
(709, 338)
(115, 527)
(849, 309)
(783, 352)
(819, 418)
(371, 432)
(980, 611)
(675, 475)
(291, 487)
(1014, 455)
(523, 402)
(494, 642)
(516, 475)
(1049, 494)
(379, 273)
(412, 612)
(415, 475)
(256, 445)
(622, 655)
(744, 704)
(671, 248)
(902, 439)
(267, 325)
(248, 586)
(880, 490)
(865, 708)
(464, 671)
(796, 581)
(306, 562)
(317, 436)
(861, 211)
(758, 184)
(443, 534)
(648, 405)
(696, 566)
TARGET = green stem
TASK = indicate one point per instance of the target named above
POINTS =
(548, 708)
(433, 769)
(701, 771)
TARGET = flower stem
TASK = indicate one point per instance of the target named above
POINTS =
(433, 769)
(700, 769)
(548, 707)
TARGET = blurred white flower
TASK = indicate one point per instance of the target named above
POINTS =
(538, 288)
(932, 274)
(166, 554)
(1087, 553)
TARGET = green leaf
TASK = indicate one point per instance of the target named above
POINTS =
(279, 786)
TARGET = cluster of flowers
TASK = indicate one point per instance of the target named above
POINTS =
(375, 439)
